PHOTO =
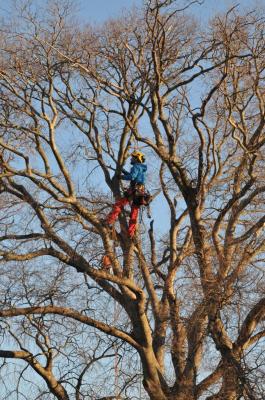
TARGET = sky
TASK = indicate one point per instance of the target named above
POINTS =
(97, 11)
(100, 10)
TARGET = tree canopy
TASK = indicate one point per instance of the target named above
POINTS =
(180, 313)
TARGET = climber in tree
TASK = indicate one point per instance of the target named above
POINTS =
(135, 194)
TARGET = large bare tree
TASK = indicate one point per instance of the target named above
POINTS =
(182, 307)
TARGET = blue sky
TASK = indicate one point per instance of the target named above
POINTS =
(99, 10)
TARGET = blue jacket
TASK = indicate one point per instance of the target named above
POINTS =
(137, 173)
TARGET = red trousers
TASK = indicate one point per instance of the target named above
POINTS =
(116, 210)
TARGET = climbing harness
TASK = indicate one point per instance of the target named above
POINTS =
(138, 195)
(141, 196)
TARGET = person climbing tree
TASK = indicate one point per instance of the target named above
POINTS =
(135, 194)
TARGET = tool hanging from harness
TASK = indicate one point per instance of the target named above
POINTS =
(140, 196)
